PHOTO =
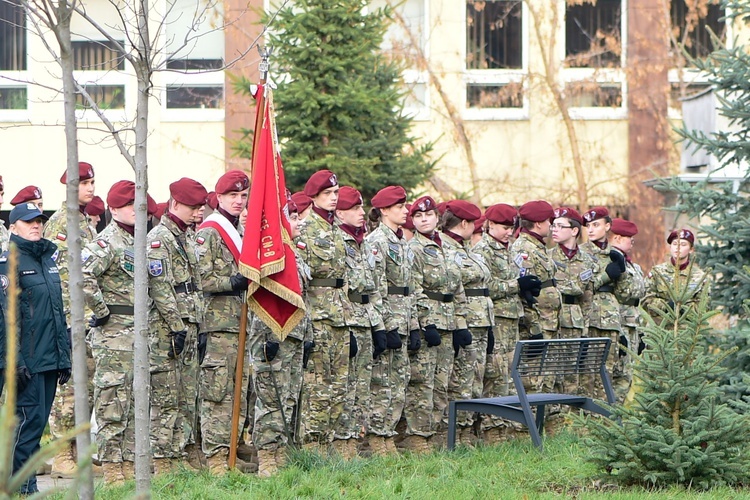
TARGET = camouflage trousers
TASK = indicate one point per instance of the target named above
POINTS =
(114, 406)
(497, 381)
(443, 369)
(277, 385)
(355, 419)
(572, 384)
(390, 377)
(618, 381)
(324, 383)
(62, 418)
(174, 390)
(216, 390)
(622, 372)
(420, 391)
(463, 382)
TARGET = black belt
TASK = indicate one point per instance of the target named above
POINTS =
(549, 283)
(569, 299)
(122, 310)
(440, 297)
(327, 282)
(187, 287)
(477, 292)
(632, 302)
(359, 298)
(231, 293)
(399, 290)
(606, 289)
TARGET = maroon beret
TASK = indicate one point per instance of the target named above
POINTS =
(26, 194)
(596, 213)
(290, 205)
(348, 198)
(479, 225)
(388, 196)
(463, 209)
(233, 180)
(568, 213)
(212, 200)
(623, 227)
(188, 192)
(301, 200)
(121, 193)
(683, 234)
(151, 206)
(161, 209)
(95, 206)
(409, 224)
(536, 211)
(441, 207)
(320, 180)
(423, 204)
(501, 214)
(85, 171)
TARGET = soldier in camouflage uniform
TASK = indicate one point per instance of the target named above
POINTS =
(62, 418)
(321, 245)
(219, 244)
(438, 291)
(630, 290)
(390, 371)
(108, 273)
(366, 322)
(504, 286)
(175, 288)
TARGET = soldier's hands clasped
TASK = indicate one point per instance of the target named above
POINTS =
(94, 321)
(177, 341)
(529, 283)
(415, 341)
(238, 282)
(393, 339)
(63, 376)
(270, 350)
(432, 336)
(353, 347)
(379, 343)
(307, 349)
(202, 345)
(619, 258)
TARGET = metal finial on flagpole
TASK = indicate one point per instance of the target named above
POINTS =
(265, 54)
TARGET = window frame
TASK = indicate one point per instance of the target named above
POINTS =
(192, 78)
(123, 78)
(15, 79)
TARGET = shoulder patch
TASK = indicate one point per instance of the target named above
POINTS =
(518, 260)
(301, 245)
(85, 255)
(431, 251)
(55, 255)
(156, 244)
(586, 275)
(101, 243)
(4, 281)
(200, 240)
(155, 268)
(61, 236)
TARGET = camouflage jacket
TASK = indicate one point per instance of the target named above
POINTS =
(604, 312)
(4, 237)
(216, 265)
(172, 263)
(433, 272)
(360, 272)
(322, 248)
(108, 273)
(57, 231)
(630, 290)
(503, 283)
(690, 282)
(530, 256)
(475, 276)
(393, 261)
(574, 278)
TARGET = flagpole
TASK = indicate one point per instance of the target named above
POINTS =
(240, 365)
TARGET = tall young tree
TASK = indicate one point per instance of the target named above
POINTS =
(339, 101)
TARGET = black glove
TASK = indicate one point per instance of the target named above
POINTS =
(353, 347)
(270, 350)
(623, 342)
(70, 338)
(490, 341)
(94, 321)
(306, 351)
(202, 345)
(23, 377)
(415, 341)
(238, 282)
(529, 282)
(177, 341)
(619, 258)
(528, 297)
(393, 339)
(461, 338)
(641, 344)
(432, 336)
(63, 376)
(379, 343)
(613, 271)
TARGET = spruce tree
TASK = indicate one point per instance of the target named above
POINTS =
(339, 99)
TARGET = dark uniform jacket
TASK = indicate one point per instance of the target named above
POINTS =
(42, 331)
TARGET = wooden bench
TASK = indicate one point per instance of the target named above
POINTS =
(536, 358)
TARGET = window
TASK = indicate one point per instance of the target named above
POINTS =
(12, 98)
(689, 27)
(593, 34)
(105, 96)
(205, 97)
(12, 36)
(588, 94)
(494, 95)
(97, 56)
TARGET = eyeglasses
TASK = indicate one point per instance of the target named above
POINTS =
(560, 226)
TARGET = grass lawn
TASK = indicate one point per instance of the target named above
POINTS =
(512, 470)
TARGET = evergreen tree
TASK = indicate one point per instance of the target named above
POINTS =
(677, 430)
(338, 103)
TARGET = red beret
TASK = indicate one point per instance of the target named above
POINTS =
(596, 213)
(568, 213)
(85, 171)
(409, 224)
(463, 209)
(121, 193)
(423, 204)
(301, 200)
(479, 225)
(188, 192)
(151, 206)
(441, 207)
(683, 234)
(26, 194)
(320, 180)
(161, 209)
(623, 227)
(388, 196)
(536, 211)
(94, 207)
(213, 201)
(501, 214)
(290, 205)
(233, 180)
(348, 198)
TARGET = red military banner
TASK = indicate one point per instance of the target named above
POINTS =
(267, 257)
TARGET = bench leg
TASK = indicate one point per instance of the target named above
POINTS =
(451, 425)
(540, 419)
